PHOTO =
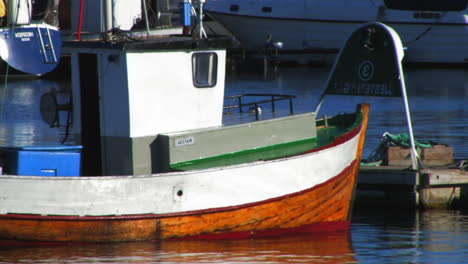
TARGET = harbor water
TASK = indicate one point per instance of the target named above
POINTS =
(438, 100)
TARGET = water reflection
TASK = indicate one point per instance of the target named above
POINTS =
(430, 236)
(21, 123)
(332, 247)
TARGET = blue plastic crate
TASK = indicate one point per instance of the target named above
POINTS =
(43, 161)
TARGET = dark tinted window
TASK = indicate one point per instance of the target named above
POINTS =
(204, 69)
(427, 5)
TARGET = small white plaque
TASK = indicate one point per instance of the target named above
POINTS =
(179, 142)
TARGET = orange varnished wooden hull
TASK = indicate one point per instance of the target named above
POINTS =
(328, 203)
(325, 206)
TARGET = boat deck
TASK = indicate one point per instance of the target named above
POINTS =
(325, 135)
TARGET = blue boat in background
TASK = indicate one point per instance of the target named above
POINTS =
(30, 41)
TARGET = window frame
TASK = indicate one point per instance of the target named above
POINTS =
(204, 76)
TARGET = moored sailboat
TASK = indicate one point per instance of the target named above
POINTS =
(30, 42)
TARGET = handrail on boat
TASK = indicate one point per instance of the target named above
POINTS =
(273, 98)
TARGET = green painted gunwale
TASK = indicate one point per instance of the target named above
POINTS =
(337, 126)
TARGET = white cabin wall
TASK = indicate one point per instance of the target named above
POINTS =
(134, 101)
(142, 95)
(163, 97)
(160, 97)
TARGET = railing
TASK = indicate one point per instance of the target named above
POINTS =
(240, 100)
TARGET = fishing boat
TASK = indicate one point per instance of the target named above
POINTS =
(156, 162)
(30, 44)
(432, 32)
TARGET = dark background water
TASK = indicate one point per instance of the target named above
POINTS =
(438, 99)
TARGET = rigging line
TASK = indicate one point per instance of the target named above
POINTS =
(420, 35)
(428, 29)
(153, 15)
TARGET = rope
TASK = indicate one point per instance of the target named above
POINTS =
(117, 35)
(402, 139)
(463, 165)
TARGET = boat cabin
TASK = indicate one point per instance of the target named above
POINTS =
(160, 105)
(126, 93)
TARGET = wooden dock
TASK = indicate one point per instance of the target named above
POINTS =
(401, 187)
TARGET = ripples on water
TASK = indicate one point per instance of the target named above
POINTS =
(430, 236)
(438, 100)
(21, 123)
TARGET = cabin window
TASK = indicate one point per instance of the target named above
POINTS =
(204, 69)
(427, 5)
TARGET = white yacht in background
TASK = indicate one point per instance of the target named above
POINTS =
(432, 31)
